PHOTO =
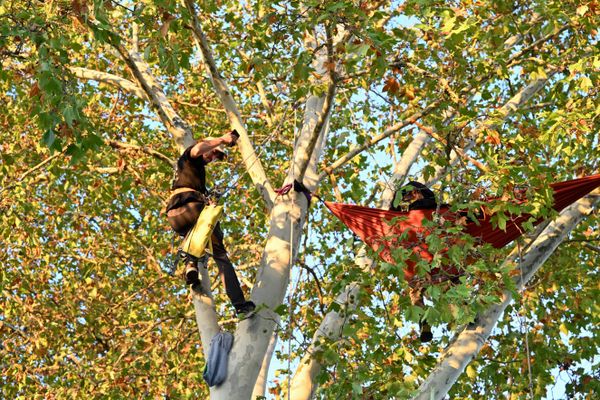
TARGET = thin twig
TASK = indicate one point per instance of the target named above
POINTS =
(592, 247)
(32, 170)
(448, 144)
(127, 146)
(317, 282)
(376, 139)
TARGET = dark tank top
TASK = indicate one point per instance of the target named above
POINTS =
(190, 173)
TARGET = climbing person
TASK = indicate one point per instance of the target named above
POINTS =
(416, 196)
(188, 198)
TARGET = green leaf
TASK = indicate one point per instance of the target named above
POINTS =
(501, 221)
(70, 115)
(49, 138)
(330, 356)
(281, 309)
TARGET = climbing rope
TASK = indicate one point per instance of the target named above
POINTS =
(260, 147)
(289, 375)
(522, 323)
(289, 324)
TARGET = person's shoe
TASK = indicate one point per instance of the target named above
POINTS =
(426, 335)
(191, 273)
(245, 310)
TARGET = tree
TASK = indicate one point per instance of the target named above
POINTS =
(473, 97)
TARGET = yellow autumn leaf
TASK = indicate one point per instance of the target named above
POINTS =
(563, 329)
(581, 10)
(471, 372)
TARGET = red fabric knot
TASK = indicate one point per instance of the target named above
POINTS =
(298, 187)
(284, 190)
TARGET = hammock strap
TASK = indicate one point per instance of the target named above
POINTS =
(298, 187)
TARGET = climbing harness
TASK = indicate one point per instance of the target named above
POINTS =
(198, 238)
(289, 379)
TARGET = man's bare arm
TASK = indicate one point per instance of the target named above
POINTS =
(206, 145)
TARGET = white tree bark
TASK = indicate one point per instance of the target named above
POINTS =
(468, 342)
(288, 214)
(149, 85)
(206, 315)
(147, 88)
(260, 387)
(177, 127)
(110, 79)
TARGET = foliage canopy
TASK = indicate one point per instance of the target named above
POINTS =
(86, 163)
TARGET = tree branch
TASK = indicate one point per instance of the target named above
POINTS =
(263, 97)
(261, 383)
(143, 149)
(592, 247)
(205, 312)
(32, 170)
(388, 132)
(250, 158)
(512, 60)
(303, 154)
(177, 127)
(110, 79)
(318, 283)
(431, 132)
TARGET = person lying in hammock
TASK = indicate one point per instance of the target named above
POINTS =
(381, 231)
(416, 196)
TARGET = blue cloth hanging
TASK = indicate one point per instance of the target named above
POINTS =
(215, 370)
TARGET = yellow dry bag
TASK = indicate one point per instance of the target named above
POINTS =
(196, 240)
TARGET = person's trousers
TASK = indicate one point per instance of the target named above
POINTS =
(182, 220)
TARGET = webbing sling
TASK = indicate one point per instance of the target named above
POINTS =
(196, 240)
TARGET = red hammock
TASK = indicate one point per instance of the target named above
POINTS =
(373, 225)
